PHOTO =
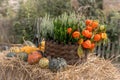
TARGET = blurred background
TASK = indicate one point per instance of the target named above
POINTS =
(18, 17)
(22, 18)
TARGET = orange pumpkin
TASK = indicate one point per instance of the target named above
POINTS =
(89, 28)
(94, 24)
(86, 33)
(76, 34)
(97, 37)
(88, 22)
(69, 30)
(86, 44)
(34, 57)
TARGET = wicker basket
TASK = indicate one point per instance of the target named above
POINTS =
(68, 52)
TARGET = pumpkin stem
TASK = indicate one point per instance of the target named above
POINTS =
(28, 43)
(25, 41)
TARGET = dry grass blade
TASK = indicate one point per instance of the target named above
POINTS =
(94, 69)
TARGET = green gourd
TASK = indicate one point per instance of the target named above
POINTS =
(23, 56)
(57, 64)
(11, 54)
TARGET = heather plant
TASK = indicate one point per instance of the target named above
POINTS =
(46, 27)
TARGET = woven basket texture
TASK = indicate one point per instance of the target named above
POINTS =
(68, 52)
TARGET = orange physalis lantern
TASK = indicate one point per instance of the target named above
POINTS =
(90, 35)
(97, 37)
(76, 34)
(89, 28)
(86, 33)
(69, 30)
(88, 22)
(86, 44)
(94, 24)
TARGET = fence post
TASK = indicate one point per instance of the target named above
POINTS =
(118, 49)
(108, 50)
(99, 50)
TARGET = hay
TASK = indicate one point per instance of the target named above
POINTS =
(94, 69)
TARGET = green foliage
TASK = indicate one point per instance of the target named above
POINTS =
(4, 8)
(60, 27)
(24, 28)
(38, 8)
(28, 10)
(32, 9)
(46, 27)
(56, 28)
(92, 9)
(1, 2)
(113, 26)
(56, 7)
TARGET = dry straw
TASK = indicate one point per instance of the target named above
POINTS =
(94, 69)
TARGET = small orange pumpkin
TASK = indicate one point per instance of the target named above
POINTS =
(94, 24)
(86, 33)
(34, 57)
(97, 37)
(89, 28)
(88, 22)
(86, 44)
(76, 34)
(69, 30)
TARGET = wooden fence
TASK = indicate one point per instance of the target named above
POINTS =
(111, 50)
